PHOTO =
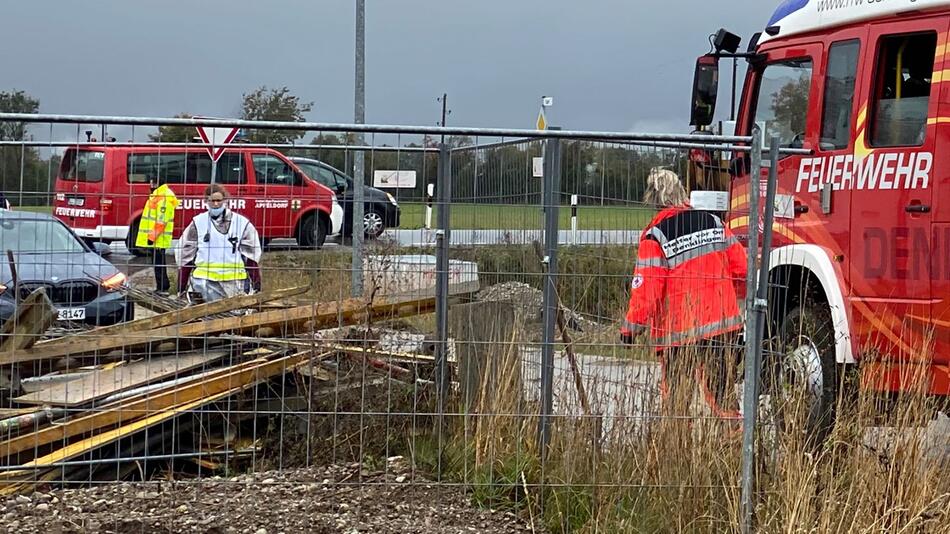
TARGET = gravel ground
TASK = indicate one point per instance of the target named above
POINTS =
(317, 500)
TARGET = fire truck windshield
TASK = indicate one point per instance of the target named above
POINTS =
(782, 103)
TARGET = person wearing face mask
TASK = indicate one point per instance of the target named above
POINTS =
(155, 230)
(220, 251)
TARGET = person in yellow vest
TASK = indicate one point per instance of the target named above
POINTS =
(220, 251)
(155, 230)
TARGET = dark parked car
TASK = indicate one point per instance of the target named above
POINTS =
(380, 209)
(39, 251)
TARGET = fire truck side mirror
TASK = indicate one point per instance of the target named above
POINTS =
(705, 91)
(739, 164)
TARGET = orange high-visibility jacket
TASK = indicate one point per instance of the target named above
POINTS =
(689, 277)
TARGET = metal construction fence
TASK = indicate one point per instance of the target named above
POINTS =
(473, 345)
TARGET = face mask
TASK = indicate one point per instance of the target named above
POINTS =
(216, 212)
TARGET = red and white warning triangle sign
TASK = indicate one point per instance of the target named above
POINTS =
(215, 135)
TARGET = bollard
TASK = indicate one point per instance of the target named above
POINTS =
(573, 219)
(430, 192)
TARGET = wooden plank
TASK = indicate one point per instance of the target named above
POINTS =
(101, 384)
(280, 322)
(134, 408)
(33, 316)
(185, 315)
(98, 440)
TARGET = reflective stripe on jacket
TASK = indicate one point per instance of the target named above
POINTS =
(689, 277)
(219, 257)
(158, 219)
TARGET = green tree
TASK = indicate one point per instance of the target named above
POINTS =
(790, 106)
(263, 104)
(16, 102)
(175, 134)
(23, 175)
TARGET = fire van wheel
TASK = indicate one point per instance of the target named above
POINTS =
(802, 376)
(130, 241)
(313, 232)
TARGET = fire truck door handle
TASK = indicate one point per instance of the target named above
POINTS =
(916, 207)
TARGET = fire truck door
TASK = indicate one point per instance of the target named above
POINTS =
(892, 190)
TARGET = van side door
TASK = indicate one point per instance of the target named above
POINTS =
(277, 185)
(892, 193)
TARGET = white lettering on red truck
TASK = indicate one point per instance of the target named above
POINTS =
(885, 171)
(76, 212)
(200, 204)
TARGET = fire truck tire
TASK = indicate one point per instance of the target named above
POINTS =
(313, 232)
(130, 241)
(804, 379)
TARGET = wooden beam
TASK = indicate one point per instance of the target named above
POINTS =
(185, 315)
(102, 383)
(280, 322)
(134, 408)
(34, 315)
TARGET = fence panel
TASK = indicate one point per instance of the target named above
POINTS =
(481, 370)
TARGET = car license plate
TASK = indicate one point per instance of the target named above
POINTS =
(71, 314)
(73, 201)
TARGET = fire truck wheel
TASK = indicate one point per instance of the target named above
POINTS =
(130, 241)
(313, 232)
(803, 378)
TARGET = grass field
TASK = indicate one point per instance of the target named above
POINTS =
(35, 209)
(506, 217)
(520, 217)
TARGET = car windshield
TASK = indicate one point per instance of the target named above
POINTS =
(36, 236)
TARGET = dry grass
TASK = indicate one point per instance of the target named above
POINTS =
(681, 472)
(626, 469)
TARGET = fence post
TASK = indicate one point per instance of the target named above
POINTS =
(756, 308)
(749, 398)
(551, 187)
(442, 240)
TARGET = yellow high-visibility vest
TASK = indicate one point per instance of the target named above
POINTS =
(158, 219)
(219, 258)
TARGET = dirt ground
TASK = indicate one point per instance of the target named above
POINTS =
(317, 500)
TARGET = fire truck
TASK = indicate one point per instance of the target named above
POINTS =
(860, 269)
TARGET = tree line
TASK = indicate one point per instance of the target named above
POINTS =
(499, 174)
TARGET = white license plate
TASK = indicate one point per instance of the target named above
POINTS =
(76, 201)
(71, 314)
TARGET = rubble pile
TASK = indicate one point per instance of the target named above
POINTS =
(530, 302)
(175, 390)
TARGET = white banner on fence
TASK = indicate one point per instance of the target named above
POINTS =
(394, 179)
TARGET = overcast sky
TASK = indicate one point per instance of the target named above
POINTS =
(610, 64)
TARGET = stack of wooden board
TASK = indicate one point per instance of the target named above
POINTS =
(116, 395)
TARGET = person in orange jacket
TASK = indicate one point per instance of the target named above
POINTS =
(689, 278)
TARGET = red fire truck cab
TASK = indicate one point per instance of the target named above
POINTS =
(101, 191)
(860, 270)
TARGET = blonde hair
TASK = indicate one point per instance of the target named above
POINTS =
(664, 189)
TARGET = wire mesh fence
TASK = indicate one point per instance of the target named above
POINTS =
(484, 355)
